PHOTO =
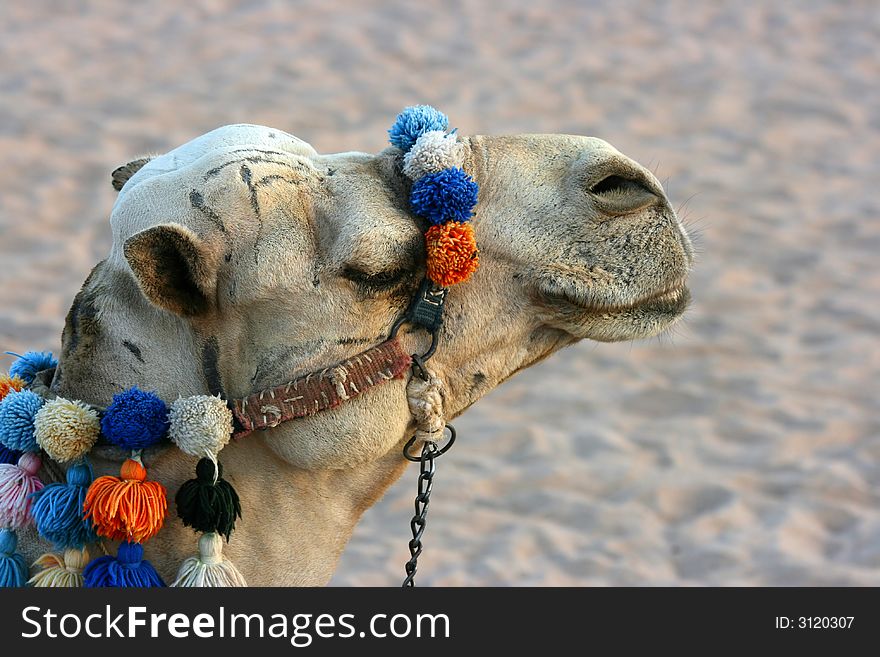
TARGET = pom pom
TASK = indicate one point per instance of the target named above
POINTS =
(433, 152)
(210, 568)
(200, 425)
(448, 195)
(452, 253)
(66, 429)
(135, 419)
(9, 455)
(10, 383)
(126, 508)
(126, 569)
(58, 571)
(17, 483)
(17, 412)
(57, 510)
(207, 504)
(413, 122)
(13, 569)
(27, 366)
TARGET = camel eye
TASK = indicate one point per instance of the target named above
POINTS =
(376, 282)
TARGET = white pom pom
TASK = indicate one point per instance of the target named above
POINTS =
(66, 429)
(433, 152)
(200, 425)
(210, 568)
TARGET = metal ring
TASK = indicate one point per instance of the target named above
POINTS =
(434, 337)
(396, 327)
(433, 347)
(423, 457)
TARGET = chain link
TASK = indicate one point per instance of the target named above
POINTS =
(423, 498)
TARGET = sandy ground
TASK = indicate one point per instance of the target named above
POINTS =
(741, 449)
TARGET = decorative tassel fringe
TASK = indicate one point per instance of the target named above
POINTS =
(201, 426)
(127, 508)
(208, 503)
(57, 510)
(126, 569)
(13, 569)
(210, 568)
(17, 483)
(60, 571)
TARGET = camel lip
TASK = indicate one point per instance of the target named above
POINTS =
(671, 298)
(673, 302)
(669, 301)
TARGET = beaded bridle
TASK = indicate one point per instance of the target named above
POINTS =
(132, 509)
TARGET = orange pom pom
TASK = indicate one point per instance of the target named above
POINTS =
(127, 508)
(452, 253)
(10, 383)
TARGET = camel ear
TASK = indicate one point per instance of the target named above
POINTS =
(175, 269)
(121, 174)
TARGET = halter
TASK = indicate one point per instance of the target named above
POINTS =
(129, 508)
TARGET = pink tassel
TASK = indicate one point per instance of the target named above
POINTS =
(17, 482)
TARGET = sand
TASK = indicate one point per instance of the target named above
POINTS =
(740, 449)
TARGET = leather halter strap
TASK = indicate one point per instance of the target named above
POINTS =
(320, 390)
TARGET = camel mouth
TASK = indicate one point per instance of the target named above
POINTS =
(609, 320)
(671, 299)
(573, 295)
(672, 302)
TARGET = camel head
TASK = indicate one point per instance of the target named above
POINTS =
(245, 258)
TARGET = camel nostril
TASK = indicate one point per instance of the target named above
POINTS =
(618, 195)
(617, 185)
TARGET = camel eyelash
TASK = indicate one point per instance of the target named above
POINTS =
(381, 281)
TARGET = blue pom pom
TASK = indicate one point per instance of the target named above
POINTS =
(126, 569)
(135, 419)
(448, 195)
(27, 366)
(13, 569)
(17, 411)
(57, 510)
(9, 455)
(413, 122)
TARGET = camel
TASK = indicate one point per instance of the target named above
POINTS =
(245, 258)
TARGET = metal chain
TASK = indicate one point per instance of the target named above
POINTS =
(420, 519)
(426, 311)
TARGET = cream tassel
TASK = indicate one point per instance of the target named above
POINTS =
(210, 568)
(61, 571)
